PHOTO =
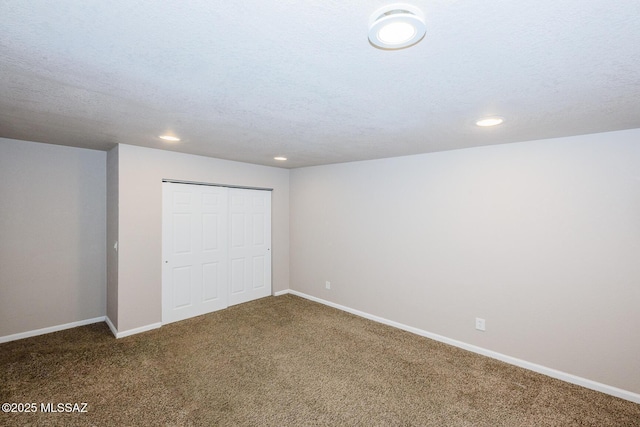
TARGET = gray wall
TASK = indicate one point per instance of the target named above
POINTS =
(52, 235)
(541, 238)
(112, 236)
(141, 171)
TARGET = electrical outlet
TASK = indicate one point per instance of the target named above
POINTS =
(327, 285)
(480, 324)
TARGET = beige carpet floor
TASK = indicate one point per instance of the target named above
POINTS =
(284, 361)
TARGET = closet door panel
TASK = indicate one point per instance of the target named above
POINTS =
(194, 249)
(251, 244)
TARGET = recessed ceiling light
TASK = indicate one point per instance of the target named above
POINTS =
(490, 121)
(396, 26)
(280, 158)
(169, 138)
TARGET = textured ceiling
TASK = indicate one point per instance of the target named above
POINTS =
(251, 80)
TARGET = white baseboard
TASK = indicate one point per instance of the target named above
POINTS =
(134, 330)
(50, 329)
(553, 373)
(277, 294)
(114, 330)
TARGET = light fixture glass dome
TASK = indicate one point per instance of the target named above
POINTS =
(396, 26)
(396, 32)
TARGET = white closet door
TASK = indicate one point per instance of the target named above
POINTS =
(249, 245)
(194, 250)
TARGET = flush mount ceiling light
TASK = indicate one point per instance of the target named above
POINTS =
(280, 158)
(490, 121)
(396, 26)
(169, 138)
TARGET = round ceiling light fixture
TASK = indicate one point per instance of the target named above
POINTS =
(396, 26)
(490, 121)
